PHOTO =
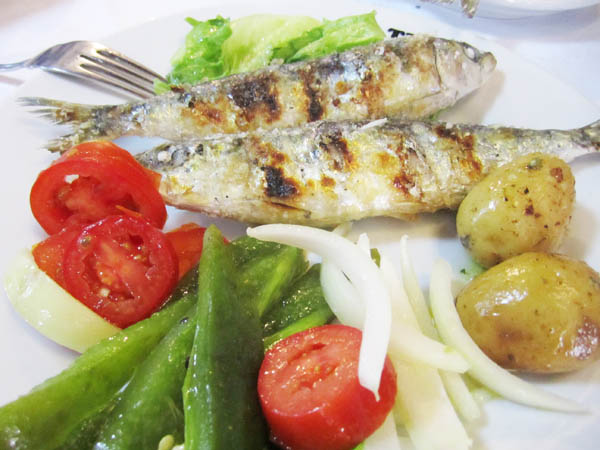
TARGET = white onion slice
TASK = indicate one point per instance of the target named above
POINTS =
(457, 390)
(407, 342)
(422, 400)
(343, 228)
(462, 399)
(424, 407)
(385, 437)
(482, 368)
(50, 309)
(402, 310)
(363, 273)
(412, 346)
(341, 296)
(415, 295)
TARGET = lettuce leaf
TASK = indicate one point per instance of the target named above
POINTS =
(201, 57)
(254, 39)
(219, 47)
(332, 36)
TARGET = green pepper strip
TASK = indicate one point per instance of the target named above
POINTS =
(151, 406)
(264, 278)
(219, 392)
(303, 306)
(52, 411)
(85, 434)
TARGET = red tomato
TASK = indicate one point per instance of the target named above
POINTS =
(310, 394)
(108, 150)
(93, 183)
(50, 253)
(187, 241)
(121, 267)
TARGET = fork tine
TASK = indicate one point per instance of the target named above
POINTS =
(101, 74)
(124, 60)
(95, 62)
(112, 69)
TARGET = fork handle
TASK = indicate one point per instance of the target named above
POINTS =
(14, 66)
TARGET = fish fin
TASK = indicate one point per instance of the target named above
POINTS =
(58, 111)
(592, 132)
(83, 119)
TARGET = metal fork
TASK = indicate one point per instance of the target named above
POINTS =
(469, 7)
(96, 62)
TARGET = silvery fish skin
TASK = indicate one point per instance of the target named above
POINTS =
(325, 173)
(410, 77)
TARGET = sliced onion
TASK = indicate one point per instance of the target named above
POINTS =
(424, 407)
(422, 400)
(343, 228)
(407, 342)
(363, 273)
(385, 437)
(402, 311)
(457, 390)
(364, 244)
(463, 400)
(415, 294)
(482, 368)
(341, 296)
(50, 309)
(412, 346)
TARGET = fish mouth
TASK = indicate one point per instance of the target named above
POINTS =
(485, 60)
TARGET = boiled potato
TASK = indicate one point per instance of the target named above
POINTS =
(536, 312)
(522, 206)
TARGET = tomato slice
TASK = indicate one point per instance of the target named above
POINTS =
(121, 267)
(187, 241)
(85, 187)
(105, 150)
(50, 253)
(310, 394)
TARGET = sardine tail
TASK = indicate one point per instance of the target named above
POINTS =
(82, 118)
(592, 133)
(58, 111)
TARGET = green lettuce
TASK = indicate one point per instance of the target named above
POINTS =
(201, 57)
(254, 39)
(333, 36)
(219, 47)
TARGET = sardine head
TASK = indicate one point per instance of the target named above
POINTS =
(461, 66)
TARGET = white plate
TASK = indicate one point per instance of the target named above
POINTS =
(526, 8)
(518, 94)
(513, 9)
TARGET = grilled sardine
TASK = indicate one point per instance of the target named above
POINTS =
(325, 173)
(409, 77)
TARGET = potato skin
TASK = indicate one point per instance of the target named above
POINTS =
(536, 312)
(522, 206)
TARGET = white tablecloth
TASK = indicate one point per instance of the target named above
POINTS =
(565, 44)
